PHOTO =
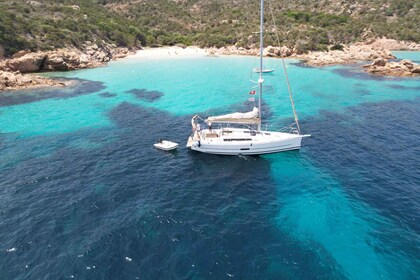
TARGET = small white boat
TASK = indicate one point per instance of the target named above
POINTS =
(166, 145)
(257, 70)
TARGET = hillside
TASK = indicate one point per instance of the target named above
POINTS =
(307, 25)
(50, 24)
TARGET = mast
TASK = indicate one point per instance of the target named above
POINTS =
(261, 80)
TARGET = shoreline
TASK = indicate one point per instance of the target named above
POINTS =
(171, 52)
(20, 71)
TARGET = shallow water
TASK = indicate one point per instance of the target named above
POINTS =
(413, 56)
(83, 193)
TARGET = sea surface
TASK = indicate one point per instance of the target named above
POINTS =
(84, 195)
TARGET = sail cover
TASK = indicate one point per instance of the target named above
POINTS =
(249, 117)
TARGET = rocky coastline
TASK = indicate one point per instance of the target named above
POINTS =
(403, 68)
(372, 50)
(14, 72)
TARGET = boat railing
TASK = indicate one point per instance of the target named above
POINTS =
(291, 128)
(230, 126)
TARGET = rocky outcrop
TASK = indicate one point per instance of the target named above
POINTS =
(66, 59)
(62, 59)
(379, 62)
(231, 50)
(285, 51)
(349, 54)
(20, 54)
(269, 51)
(401, 68)
(371, 50)
(16, 80)
(391, 44)
(374, 51)
(27, 63)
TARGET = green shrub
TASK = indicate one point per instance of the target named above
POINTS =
(337, 47)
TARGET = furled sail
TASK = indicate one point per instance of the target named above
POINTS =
(246, 118)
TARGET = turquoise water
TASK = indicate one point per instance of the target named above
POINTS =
(413, 56)
(81, 176)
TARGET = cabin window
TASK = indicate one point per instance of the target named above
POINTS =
(236, 139)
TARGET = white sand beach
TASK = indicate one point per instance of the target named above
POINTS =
(170, 52)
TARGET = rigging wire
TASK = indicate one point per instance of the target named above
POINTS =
(284, 68)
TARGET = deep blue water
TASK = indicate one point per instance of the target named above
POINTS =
(84, 195)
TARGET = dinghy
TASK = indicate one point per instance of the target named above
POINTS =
(166, 145)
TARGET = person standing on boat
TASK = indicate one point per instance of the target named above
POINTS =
(194, 124)
(209, 126)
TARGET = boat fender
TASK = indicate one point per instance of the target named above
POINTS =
(197, 143)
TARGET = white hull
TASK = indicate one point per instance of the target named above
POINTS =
(257, 70)
(243, 142)
(166, 145)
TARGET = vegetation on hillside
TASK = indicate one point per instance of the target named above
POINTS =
(50, 24)
(307, 25)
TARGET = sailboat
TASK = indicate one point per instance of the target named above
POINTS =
(266, 70)
(245, 140)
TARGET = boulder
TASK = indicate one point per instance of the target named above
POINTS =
(399, 69)
(298, 50)
(84, 59)
(285, 51)
(416, 70)
(270, 50)
(389, 44)
(55, 62)
(379, 62)
(19, 54)
(30, 62)
(407, 63)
